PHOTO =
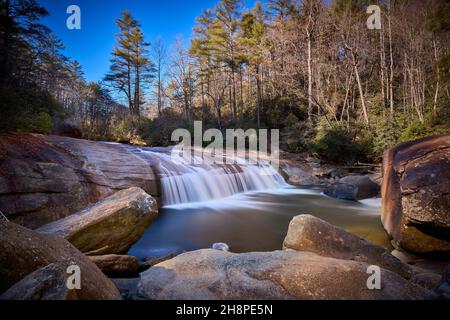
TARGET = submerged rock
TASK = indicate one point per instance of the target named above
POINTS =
(416, 197)
(212, 274)
(308, 233)
(111, 226)
(43, 258)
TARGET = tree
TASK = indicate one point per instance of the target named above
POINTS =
(131, 68)
(253, 30)
(223, 42)
(159, 55)
(181, 72)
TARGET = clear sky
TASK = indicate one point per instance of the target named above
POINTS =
(92, 45)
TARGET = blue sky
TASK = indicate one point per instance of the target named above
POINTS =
(92, 45)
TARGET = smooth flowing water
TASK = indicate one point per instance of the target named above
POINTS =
(236, 204)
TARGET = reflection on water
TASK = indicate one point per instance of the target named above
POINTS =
(255, 221)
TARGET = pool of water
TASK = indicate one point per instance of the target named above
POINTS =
(255, 221)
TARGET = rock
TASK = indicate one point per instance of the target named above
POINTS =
(68, 129)
(442, 290)
(427, 280)
(416, 197)
(127, 287)
(212, 274)
(151, 261)
(117, 266)
(44, 178)
(297, 176)
(313, 162)
(220, 246)
(353, 188)
(24, 252)
(297, 171)
(308, 233)
(111, 226)
(47, 283)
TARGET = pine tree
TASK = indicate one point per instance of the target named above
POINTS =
(253, 30)
(223, 42)
(130, 67)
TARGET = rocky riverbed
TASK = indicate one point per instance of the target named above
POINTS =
(89, 202)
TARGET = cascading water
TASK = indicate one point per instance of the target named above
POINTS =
(184, 181)
(245, 221)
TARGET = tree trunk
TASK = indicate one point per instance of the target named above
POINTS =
(361, 92)
(258, 97)
(391, 67)
(310, 103)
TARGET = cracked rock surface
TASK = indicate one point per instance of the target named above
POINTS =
(416, 195)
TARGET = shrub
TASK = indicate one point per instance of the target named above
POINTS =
(42, 123)
(28, 109)
(415, 130)
(386, 136)
(337, 145)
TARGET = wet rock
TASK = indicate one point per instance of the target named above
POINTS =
(111, 226)
(308, 233)
(212, 274)
(24, 252)
(416, 197)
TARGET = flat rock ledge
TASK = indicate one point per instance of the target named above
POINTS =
(216, 275)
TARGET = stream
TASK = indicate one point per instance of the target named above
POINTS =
(253, 221)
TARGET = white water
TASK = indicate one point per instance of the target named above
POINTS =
(185, 182)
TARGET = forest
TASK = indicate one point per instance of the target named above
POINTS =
(311, 68)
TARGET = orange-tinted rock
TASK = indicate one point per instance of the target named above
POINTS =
(46, 178)
(416, 195)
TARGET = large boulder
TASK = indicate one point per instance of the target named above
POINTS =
(416, 195)
(308, 233)
(212, 274)
(43, 258)
(111, 226)
(47, 283)
(68, 129)
(353, 188)
(44, 178)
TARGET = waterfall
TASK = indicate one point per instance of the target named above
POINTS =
(185, 182)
